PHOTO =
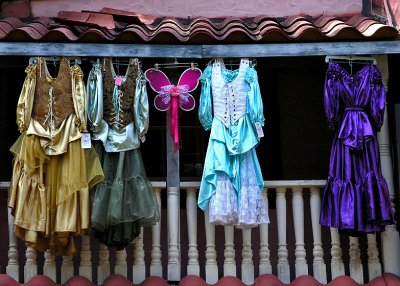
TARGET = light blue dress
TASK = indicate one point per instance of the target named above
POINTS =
(232, 182)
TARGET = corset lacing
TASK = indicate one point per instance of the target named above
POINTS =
(116, 116)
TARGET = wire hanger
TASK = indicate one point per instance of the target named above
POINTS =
(122, 61)
(77, 60)
(175, 64)
(119, 62)
(95, 60)
(234, 61)
(351, 59)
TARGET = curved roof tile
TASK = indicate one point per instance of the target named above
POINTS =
(111, 25)
(60, 34)
(190, 280)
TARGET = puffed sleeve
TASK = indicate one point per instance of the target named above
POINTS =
(79, 97)
(255, 105)
(94, 92)
(141, 105)
(205, 105)
(25, 101)
(331, 98)
(377, 98)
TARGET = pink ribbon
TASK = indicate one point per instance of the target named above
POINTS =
(174, 92)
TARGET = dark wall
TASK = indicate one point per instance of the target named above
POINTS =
(296, 143)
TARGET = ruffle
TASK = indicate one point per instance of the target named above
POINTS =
(239, 138)
(355, 208)
(252, 209)
(236, 200)
(223, 208)
(376, 76)
(118, 236)
(122, 201)
(33, 198)
(51, 210)
(125, 201)
(229, 75)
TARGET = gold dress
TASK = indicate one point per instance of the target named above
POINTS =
(52, 173)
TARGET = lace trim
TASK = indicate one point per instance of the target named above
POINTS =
(245, 210)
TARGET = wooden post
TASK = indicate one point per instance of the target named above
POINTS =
(390, 237)
(173, 205)
(211, 254)
(120, 263)
(283, 263)
(247, 258)
(12, 268)
(193, 267)
(103, 269)
(229, 252)
(139, 266)
(319, 266)
(298, 219)
(50, 267)
(85, 266)
(67, 269)
(337, 266)
(30, 269)
(156, 265)
(356, 269)
(265, 262)
(374, 264)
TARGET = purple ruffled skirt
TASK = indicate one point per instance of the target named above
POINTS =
(356, 197)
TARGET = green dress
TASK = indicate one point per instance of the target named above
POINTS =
(118, 115)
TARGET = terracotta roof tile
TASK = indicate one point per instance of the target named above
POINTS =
(86, 19)
(13, 22)
(60, 34)
(356, 20)
(190, 280)
(111, 25)
(129, 17)
(377, 31)
(292, 20)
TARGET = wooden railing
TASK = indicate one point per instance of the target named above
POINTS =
(184, 243)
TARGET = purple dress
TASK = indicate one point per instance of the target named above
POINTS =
(356, 197)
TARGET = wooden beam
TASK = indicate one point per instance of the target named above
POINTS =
(99, 50)
(199, 51)
(301, 49)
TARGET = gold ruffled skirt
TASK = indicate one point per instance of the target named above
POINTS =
(49, 195)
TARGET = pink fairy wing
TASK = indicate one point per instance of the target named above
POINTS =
(156, 78)
(187, 102)
(190, 77)
(162, 102)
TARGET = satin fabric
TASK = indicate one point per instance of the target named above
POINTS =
(52, 174)
(124, 202)
(356, 197)
(126, 138)
(49, 195)
(228, 146)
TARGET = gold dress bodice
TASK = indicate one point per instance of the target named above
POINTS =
(118, 100)
(53, 96)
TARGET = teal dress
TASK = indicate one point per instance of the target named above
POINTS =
(232, 182)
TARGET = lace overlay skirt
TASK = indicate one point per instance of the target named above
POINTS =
(244, 207)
